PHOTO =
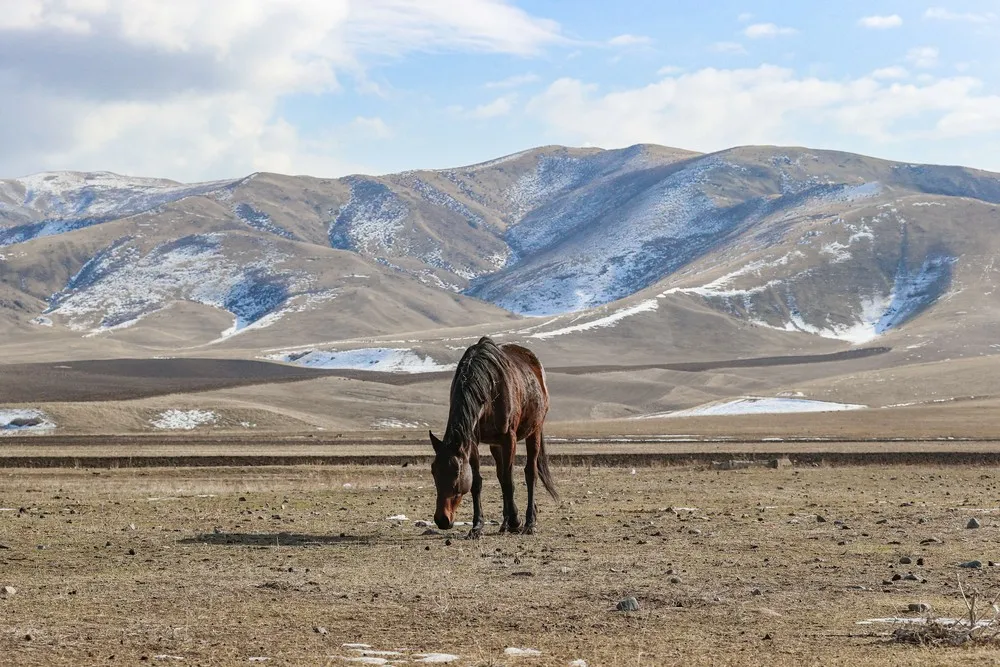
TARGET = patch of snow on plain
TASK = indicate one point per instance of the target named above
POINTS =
(435, 657)
(24, 420)
(382, 359)
(183, 420)
(397, 423)
(42, 321)
(522, 652)
(610, 320)
(750, 405)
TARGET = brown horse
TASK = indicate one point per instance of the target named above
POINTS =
(498, 396)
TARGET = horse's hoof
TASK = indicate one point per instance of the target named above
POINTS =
(528, 530)
(503, 529)
(474, 534)
(514, 528)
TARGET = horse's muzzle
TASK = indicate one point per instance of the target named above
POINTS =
(443, 521)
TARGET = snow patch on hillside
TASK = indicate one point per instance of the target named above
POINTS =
(608, 321)
(369, 221)
(119, 286)
(71, 200)
(382, 359)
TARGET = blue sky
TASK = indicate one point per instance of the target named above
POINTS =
(194, 90)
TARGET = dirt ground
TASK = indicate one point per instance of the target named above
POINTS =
(233, 565)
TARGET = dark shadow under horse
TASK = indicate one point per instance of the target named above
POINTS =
(498, 396)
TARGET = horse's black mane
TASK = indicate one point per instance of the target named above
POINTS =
(478, 379)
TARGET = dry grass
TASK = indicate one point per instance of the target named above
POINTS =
(217, 580)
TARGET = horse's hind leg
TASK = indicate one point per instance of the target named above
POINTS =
(530, 475)
(504, 456)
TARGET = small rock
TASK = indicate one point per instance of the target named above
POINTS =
(897, 577)
(918, 607)
(932, 540)
(909, 576)
(319, 629)
(447, 543)
(920, 561)
(973, 523)
(756, 591)
(971, 564)
(7, 592)
(131, 552)
(131, 526)
(675, 580)
(905, 560)
(694, 531)
(628, 604)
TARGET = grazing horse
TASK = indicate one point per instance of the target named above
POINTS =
(498, 396)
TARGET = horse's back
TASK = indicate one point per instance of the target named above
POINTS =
(530, 365)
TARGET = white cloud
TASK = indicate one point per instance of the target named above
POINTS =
(881, 22)
(728, 47)
(713, 109)
(894, 72)
(372, 126)
(501, 106)
(767, 30)
(923, 56)
(744, 17)
(942, 14)
(191, 89)
(669, 69)
(514, 81)
(630, 40)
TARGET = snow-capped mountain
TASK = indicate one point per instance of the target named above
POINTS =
(829, 244)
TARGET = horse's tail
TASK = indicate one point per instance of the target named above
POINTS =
(543, 468)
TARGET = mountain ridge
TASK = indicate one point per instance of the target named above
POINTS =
(757, 234)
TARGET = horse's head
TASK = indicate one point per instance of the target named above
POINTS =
(453, 479)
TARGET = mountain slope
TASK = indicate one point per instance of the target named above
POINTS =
(831, 245)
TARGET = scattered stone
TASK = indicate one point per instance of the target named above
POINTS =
(932, 540)
(920, 561)
(909, 576)
(447, 543)
(918, 607)
(756, 591)
(820, 518)
(971, 564)
(897, 577)
(320, 630)
(905, 560)
(993, 563)
(675, 580)
(131, 526)
(131, 552)
(628, 604)
(7, 592)
(881, 521)
(694, 531)
(973, 523)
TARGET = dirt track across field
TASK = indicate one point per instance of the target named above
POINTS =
(204, 451)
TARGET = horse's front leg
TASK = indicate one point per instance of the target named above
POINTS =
(477, 506)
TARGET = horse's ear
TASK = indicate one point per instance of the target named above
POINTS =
(434, 441)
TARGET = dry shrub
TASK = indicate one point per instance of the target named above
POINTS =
(980, 626)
